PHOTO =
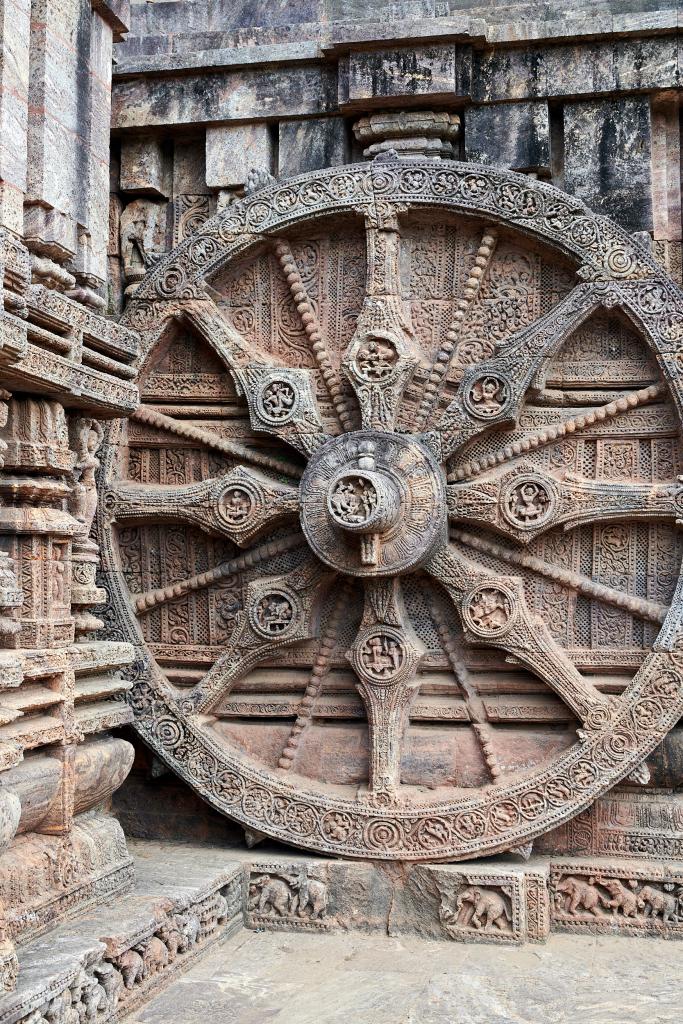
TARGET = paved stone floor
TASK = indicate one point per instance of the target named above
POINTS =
(354, 979)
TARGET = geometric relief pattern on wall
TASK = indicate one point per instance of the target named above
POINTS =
(394, 528)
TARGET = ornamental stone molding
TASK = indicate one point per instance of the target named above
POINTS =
(64, 369)
(407, 460)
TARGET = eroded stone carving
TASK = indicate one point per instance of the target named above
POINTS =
(279, 896)
(595, 897)
(483, 908)
(58, 684)
(129, 965)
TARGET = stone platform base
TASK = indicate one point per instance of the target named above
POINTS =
(111, 961)
(45, 879)
(105, 964)
(500, 900)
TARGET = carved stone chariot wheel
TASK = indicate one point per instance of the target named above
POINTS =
(394, 529)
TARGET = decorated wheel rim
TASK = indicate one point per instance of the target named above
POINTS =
(401, 571)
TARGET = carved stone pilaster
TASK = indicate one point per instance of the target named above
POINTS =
(62, 368)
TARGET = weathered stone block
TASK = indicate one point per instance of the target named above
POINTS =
(499, 902)
(575, 69)
(189, 168)
(293, 894)
(631, 898)
(90, 263)
(232, 151)
(607, 160)
(58, 97)
(193, 202)
(144, 168)
(50, 232)
(666, 169)
(514, 135)
(238, 95)
(429, 71)
(309, 145)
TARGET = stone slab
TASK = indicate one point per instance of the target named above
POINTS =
(373, 979)
(231, 152)
(432, 72)
(144, 169)
(311, 144)
(513, 135)
(495, 901)
(224, 98)
(578, 68)
(607, 158)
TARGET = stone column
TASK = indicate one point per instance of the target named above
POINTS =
(63, 368)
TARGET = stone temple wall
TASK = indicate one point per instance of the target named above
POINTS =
(585, 95)
(201, 105)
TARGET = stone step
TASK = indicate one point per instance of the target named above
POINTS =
(107, 962)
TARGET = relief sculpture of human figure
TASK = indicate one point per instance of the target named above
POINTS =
(84, 495)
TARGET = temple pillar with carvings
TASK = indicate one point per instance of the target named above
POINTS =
(64, 368)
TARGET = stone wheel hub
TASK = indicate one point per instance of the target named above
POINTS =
(377, 536)
(373, 504)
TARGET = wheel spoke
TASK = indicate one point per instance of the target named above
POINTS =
(650, 611)
(525, 502)
(494, 613)
(210, 440)
(150, 599)
(321, 667)
(281, 399)
(386, 656)
(278, 611)
(381, 357)
(313, 331)
(448, 349)
(476, 709)
(550, 435)
(491, 393)
(238, 505)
